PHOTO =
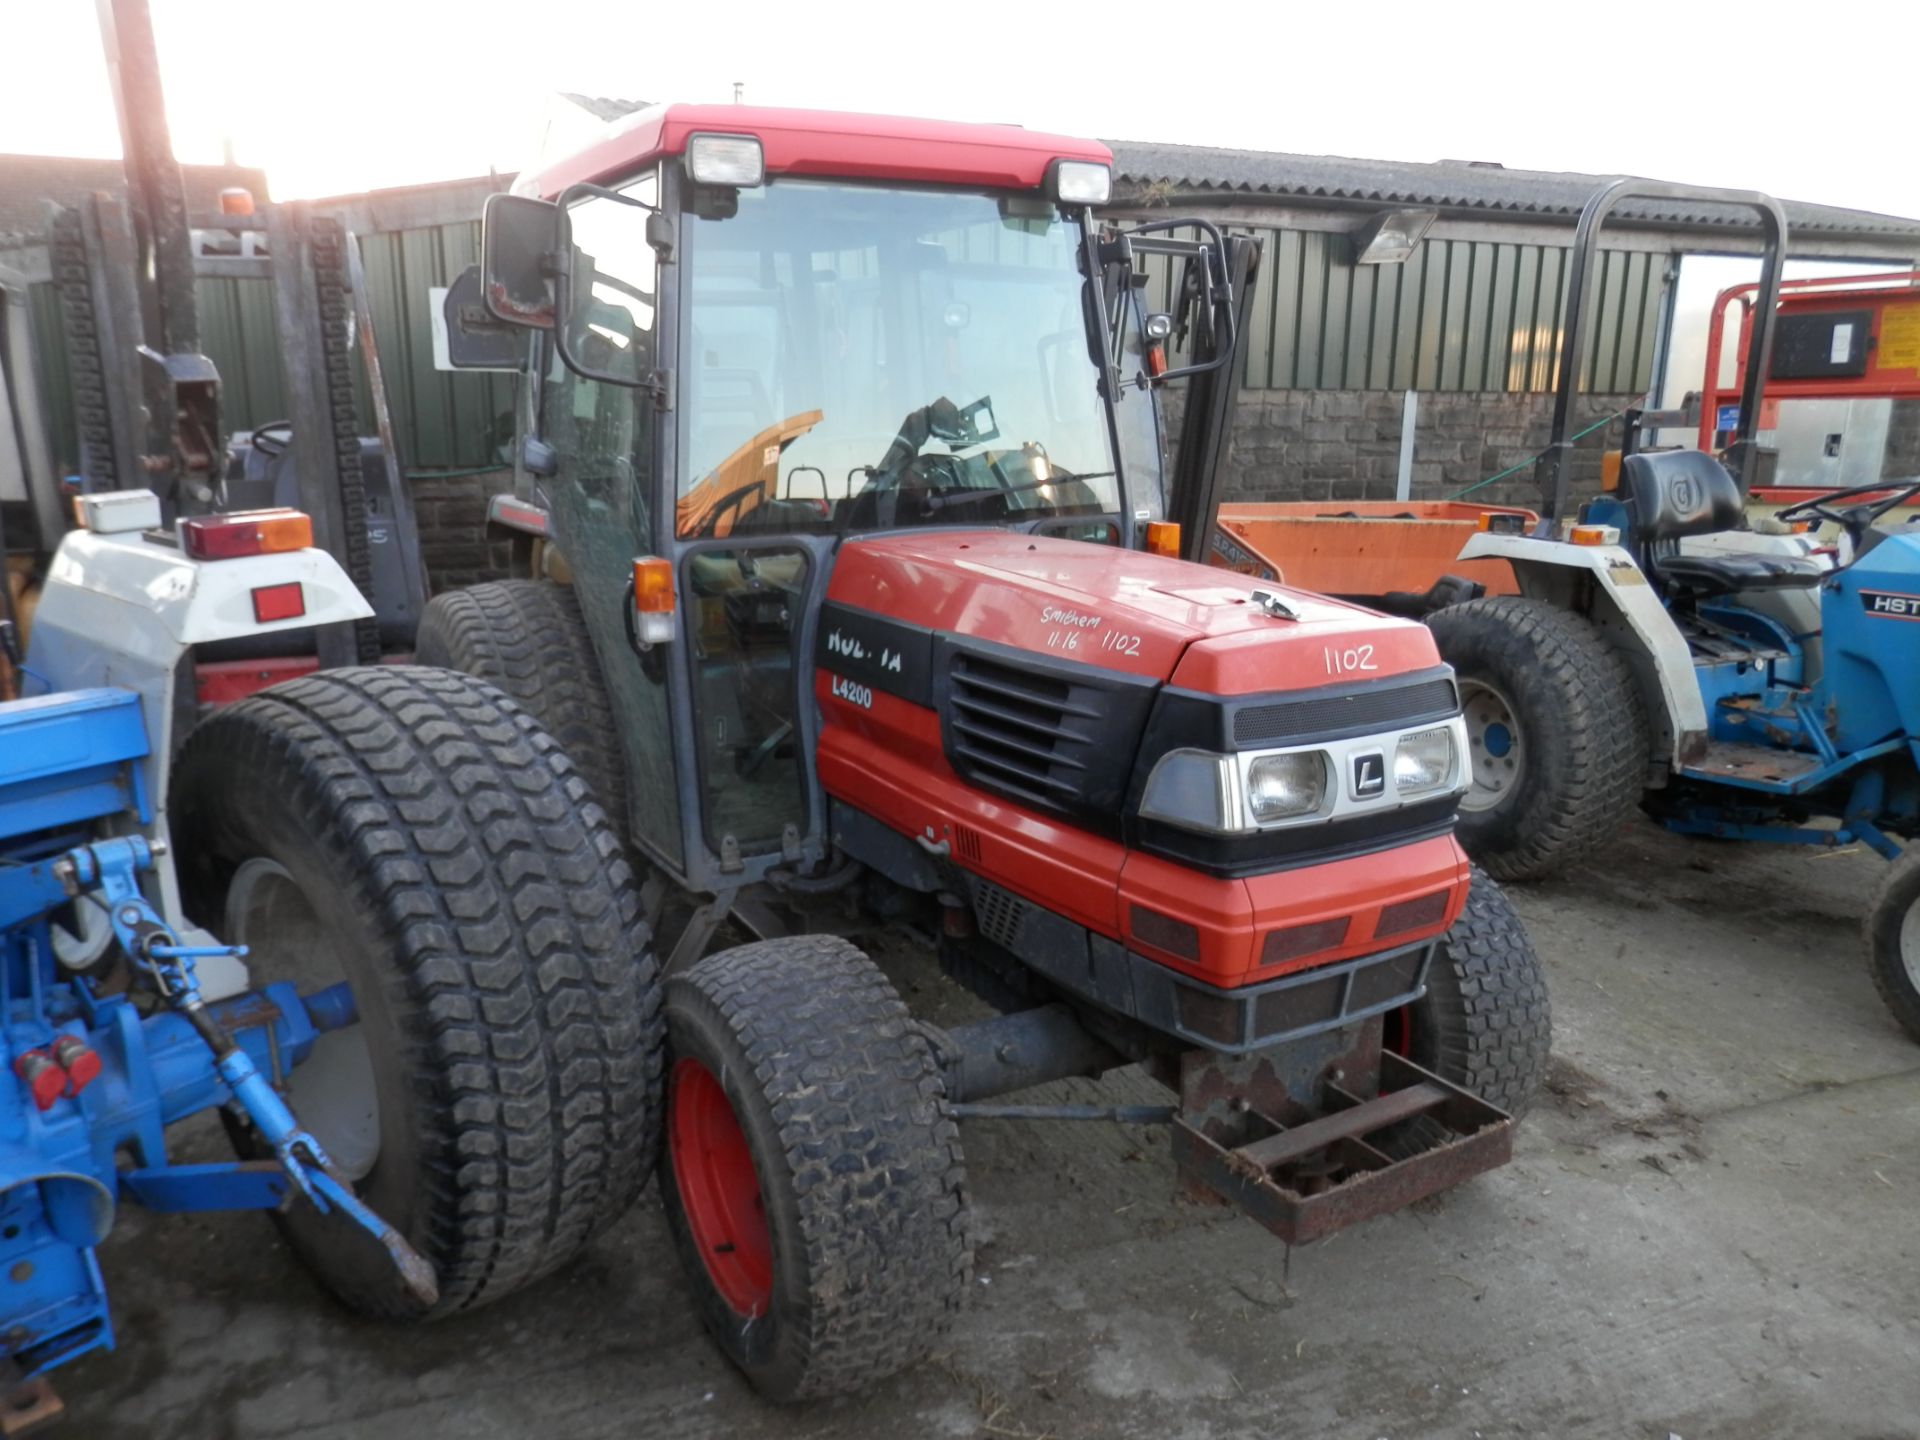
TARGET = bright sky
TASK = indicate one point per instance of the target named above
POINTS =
(334, 96)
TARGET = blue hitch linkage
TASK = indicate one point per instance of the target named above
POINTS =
(170, 965)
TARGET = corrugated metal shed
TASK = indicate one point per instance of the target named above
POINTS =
(1477, 309)
(1456, 315)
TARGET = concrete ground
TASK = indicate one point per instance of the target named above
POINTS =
(1708, 1231)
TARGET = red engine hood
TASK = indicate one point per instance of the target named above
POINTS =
(1193, 625)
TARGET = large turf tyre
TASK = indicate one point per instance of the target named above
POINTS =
(419, 835)
(1893, 940)
(1557, 741)
(815, 1188)
(1484, 1023)
(528, 639)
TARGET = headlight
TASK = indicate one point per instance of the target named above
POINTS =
(1423, 761)
(725, 160)
(1193, 789)
(1280, 787)
(1081, 182)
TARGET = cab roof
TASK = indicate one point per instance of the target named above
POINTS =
(823, 143)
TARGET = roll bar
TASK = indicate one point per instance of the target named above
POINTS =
(1552, 470)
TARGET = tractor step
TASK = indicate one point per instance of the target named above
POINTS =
(1756, 765)
(1306, 1181)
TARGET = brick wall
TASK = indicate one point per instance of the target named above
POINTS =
(451, 512)
(1345, 444)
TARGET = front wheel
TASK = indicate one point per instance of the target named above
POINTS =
(1556, 740)
(816, 1193)
(1485, 1023)
(1893, 941)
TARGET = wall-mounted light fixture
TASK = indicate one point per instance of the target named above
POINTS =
(1390, 237)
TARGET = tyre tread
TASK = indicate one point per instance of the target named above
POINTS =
(869, 1149)
(1897, 892)
(528, 639)
(1487, 1003)
(1603, 765)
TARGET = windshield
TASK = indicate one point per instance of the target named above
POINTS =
(858, 358)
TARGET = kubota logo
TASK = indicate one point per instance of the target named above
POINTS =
(1369, 774)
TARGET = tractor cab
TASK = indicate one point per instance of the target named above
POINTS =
(767, 333)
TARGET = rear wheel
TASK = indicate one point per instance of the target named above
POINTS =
(528, 639)
(1555, 736)
(817, 1195)
(415, 835)
(1485, 1023)
(1893, 941)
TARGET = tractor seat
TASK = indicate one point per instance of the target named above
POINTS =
(1672, 493)
(1705, 576)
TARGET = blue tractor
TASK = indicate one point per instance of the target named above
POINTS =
(370, 916)
(1736, 680)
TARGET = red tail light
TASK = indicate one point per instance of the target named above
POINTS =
(248, 532)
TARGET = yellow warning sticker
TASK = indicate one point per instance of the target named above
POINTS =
(1900, 337)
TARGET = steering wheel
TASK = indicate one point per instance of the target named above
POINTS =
(1855, 518)
(888, 486)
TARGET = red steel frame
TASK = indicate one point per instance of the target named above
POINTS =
(1877, 293)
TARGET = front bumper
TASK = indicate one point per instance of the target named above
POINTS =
(1230, 1021)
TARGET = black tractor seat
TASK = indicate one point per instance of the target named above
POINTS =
(1705, 576)
(1671, 494)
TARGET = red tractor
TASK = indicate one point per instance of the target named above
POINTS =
(838, 469)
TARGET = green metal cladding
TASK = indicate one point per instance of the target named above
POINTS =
(1457, 315)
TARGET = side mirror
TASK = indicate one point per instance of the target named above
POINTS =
(607, 290)
(518, 239)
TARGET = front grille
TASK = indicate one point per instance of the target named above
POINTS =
(1019, 730)
(1000, 914)
(1369, 707)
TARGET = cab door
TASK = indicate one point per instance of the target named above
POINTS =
(606, 457)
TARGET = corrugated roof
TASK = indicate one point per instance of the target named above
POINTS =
(1457, 186)
(603, 107)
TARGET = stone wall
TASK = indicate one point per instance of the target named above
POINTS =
(1345, 444)
(1287, 445)
(451, 512)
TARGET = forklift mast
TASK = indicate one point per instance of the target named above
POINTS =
(178, 386)
(147, 400)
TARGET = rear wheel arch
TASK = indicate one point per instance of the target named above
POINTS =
(1659, 671)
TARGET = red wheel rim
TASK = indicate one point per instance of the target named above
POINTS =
(719, 1192)
(1396, 1032)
